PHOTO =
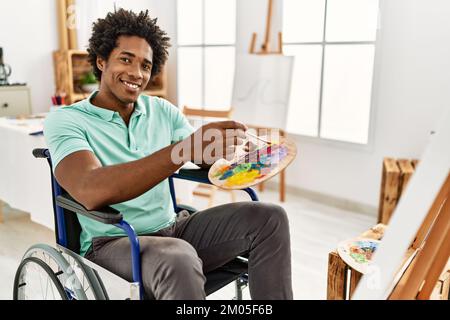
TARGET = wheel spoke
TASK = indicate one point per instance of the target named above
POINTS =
(40, 281)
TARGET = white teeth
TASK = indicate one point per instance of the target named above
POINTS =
(131, 85)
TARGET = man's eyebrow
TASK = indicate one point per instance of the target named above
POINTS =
(127, 53)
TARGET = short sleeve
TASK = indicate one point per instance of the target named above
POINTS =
(181, 128)
(64, 135)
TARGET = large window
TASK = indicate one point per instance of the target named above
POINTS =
(333, 42)
(206, 53)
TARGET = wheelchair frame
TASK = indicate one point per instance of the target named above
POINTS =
(109, 215)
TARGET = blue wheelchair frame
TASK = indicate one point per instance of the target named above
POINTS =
(61, 202)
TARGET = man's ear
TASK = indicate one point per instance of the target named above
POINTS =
(101, 64)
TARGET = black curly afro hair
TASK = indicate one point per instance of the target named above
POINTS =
(105, 33)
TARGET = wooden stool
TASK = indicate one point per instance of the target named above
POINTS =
(396, 174)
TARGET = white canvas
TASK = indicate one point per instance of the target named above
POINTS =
(261, 89)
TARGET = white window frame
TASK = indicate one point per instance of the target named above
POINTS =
(203, 47)
(341, 144)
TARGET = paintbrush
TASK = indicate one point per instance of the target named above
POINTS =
(257, 137)
(239, 158)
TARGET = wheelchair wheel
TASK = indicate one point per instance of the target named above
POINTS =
(79, 281)
(35, 280)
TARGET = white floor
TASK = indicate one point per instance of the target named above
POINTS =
(315, 231)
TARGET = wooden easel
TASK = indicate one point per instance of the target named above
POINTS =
(433, 245)
(427, 259)
(421, 223)
(428, 255)
(265, 49)
(67, 33)
(396, 174)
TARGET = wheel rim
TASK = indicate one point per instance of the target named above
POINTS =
(79, 281)
(69, 275)
(35, 280)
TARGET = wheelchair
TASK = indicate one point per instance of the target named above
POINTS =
(60, 273)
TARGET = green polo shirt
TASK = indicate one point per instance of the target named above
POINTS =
(154, 124)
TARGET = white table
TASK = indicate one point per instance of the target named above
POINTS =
(24, 180)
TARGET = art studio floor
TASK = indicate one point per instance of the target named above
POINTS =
(316, 229)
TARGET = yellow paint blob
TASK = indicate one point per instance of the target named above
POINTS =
(242, 178)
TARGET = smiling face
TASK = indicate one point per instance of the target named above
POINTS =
(127, 71)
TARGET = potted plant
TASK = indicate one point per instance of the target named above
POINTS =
(89, 82)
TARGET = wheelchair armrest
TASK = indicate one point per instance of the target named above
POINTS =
(197, 175)
(186, 207)
(106, 215)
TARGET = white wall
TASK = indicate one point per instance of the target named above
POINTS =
(411, 90)
(28, 37)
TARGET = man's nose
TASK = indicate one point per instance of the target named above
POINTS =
(135, 71)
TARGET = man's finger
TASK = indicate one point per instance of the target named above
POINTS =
(228, 133)
(231, 124)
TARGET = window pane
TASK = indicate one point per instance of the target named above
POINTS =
(220, 21)
(189, 76)
(189, 23)
(303, 114)
(352, 20)
(347, 92)
(303, 20)
(219, 72)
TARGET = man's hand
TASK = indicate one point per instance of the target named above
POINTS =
(213, 141)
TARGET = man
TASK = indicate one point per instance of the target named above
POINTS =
(117, 147)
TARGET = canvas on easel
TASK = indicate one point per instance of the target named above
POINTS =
(261, 89)
(421, 223)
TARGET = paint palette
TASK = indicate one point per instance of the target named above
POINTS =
(358, 253)
(253, 167)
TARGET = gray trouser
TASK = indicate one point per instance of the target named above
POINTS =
(175, 259)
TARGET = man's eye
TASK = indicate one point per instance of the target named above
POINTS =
(147, 67)
(125, 59)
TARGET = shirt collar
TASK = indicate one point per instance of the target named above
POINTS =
(139, 106)
(107, 114)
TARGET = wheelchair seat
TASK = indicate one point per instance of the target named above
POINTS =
(215, 279)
